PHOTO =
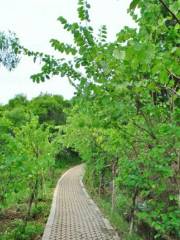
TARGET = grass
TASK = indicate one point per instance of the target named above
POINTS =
(11, 220)
(116, 220)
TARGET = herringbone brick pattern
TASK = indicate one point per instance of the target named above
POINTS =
(74, 216)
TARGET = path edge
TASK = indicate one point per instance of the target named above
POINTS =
(105, 220)
(48, 226)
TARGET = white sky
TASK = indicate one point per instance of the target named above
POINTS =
(34, 22)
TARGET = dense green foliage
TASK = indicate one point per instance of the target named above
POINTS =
(123, 121)
(32, 156)
(27, 145)
(125, 118)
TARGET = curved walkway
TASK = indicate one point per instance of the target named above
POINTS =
(74, 216)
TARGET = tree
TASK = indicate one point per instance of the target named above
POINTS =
(50, 109)
(19, 100)
(124, 121)
(35, 152)
(9, 50)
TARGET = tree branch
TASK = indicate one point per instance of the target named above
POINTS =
(167, 8)
(145, 130)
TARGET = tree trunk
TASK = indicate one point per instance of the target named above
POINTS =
(132, 214)
(113, 196)
(32, 197)
(100, 183)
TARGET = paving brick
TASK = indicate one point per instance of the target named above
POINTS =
(73, 214)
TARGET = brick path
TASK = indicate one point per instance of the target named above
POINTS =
(74, 216)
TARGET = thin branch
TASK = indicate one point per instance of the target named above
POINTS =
(145, 130)
(72, 83)
(167, 8)
(173, 91)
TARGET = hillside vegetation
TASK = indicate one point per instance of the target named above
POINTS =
(32, 158)
(123, 121)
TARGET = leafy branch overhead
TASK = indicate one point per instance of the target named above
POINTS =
(124, 120)
(9, 49)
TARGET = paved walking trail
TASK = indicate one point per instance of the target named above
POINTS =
(74, 216)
